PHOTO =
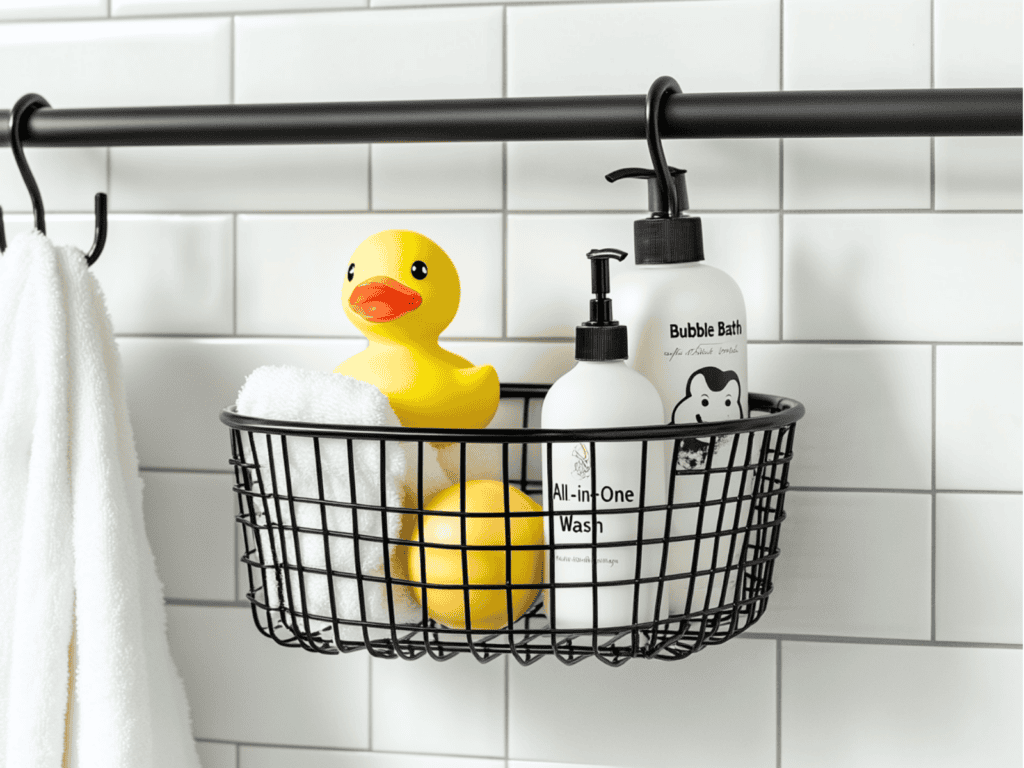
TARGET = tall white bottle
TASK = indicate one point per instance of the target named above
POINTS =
(589, 482)
(689, 337)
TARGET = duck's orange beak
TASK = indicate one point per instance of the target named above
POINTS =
(381, 299)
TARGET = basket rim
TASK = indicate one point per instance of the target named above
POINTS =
(782, 411)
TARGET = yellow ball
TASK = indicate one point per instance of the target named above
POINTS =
(488, 607)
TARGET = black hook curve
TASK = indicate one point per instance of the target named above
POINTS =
(24, 107)
(660, 88)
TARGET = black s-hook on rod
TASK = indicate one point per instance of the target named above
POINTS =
(931, 112)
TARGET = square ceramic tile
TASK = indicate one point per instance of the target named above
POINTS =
(549, 278)
(328, 177)
(436, 177)
(620, 48)
(51, 9)
(242, 686)
(301, 294)
(168, 274)
(853, 565)
(146, 7)
(461, 690)
(569, 175)
(848, 173)
(647, 714)
(978, 172)
(82, 64)
(902, 277)
(441, 53)
(834, 44)
(978, 571)
(278, 757)
(68, 179)
(216, 755)
(868, 422)
(978, 418)
(190, 523)
(851, 705)
(978, 44)
(178, 387)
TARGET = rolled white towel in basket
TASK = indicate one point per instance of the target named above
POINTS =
(287, 393)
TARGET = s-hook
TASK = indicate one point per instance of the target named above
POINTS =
(24, 107)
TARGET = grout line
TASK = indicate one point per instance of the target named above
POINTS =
(234, 274)
(325, 212)
(200, 603)
(369, 704)
(778, 703)
(349, 750)
(504, 180)
(934, 506)
(231, 58)
(187, 471)
(931, 84)
(238, 756)
(917, 491)
(876, 641)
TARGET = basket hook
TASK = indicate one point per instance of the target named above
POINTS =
(20, 113)
(660, 88)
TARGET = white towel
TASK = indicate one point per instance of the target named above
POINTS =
(72, 535)
(287, 393)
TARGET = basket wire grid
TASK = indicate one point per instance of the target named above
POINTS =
(309, 552)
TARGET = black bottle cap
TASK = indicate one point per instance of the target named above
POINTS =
(601, 338)
(662, 238)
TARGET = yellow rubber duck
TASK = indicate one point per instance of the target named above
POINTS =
(401, 290)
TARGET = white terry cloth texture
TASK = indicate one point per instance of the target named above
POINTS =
(72, 535)
(287, 393)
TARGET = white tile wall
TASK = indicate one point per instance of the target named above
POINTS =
(82, 64)
(168, 274)
(978, 573)
(616, 48)
(217, 755)
(243, 687)
(436, 177)
(364, 56)
(415, 705)
(833, 44)
(274, 757)
(978, 45)
(51, 9)
(847, 705)
(190, 523)
(649, 715)
(978, 172)
(868, 422)
(978, 418)
(155, 7)
(885, 324)
(853, 565)
(863, 173)
(320, 177)
(902, 277)
(300, 294)
(548, 285)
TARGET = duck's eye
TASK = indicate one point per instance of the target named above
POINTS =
(728, 402)
(351, 272)
(419, 270)
(704, 402)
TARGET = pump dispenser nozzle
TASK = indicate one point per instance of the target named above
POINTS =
(601, 338)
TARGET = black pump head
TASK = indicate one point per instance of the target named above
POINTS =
(667, 237)
(601, 337)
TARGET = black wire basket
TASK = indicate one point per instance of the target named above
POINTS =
(333, 567)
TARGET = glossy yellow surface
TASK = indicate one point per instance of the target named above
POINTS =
(401, 291)
(488, 608)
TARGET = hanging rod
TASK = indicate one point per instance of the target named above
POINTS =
(930, 112)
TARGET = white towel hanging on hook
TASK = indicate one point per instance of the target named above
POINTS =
(72, 535)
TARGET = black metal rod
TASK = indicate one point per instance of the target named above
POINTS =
(933, 112)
